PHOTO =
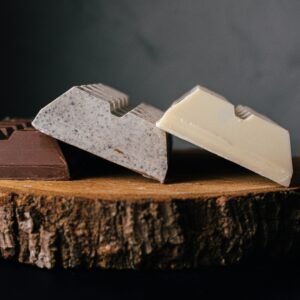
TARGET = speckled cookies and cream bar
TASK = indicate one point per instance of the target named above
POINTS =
(97, 118)
(239, 134)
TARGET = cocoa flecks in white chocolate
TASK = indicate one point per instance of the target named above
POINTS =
(98, 119)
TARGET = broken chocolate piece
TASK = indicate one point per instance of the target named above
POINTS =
(26, 153)
(97, 119)
(239, 133)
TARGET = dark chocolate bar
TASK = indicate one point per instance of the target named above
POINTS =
(26, 153)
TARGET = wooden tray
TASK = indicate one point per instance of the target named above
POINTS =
(211, 212)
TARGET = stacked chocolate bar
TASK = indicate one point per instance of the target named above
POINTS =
(26, 153)
(98, 119)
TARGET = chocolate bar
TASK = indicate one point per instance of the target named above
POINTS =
(239, 133)
(26, 153)
(98, 119)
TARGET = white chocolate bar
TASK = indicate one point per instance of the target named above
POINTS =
(238, 134)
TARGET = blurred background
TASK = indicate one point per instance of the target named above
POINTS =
(248, 51)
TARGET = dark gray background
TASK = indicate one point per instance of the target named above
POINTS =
(248, 50)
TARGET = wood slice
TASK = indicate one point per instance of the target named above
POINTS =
(211, 212)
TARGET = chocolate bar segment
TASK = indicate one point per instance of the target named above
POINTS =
(26, 153)
(98, 119)
(237, 133)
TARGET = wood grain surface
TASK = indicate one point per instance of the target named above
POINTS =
(210, 212)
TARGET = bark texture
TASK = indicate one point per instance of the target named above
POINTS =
(49, 231)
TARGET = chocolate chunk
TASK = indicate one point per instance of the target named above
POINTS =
(237, 133)
(26, 153)
(98, 119)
